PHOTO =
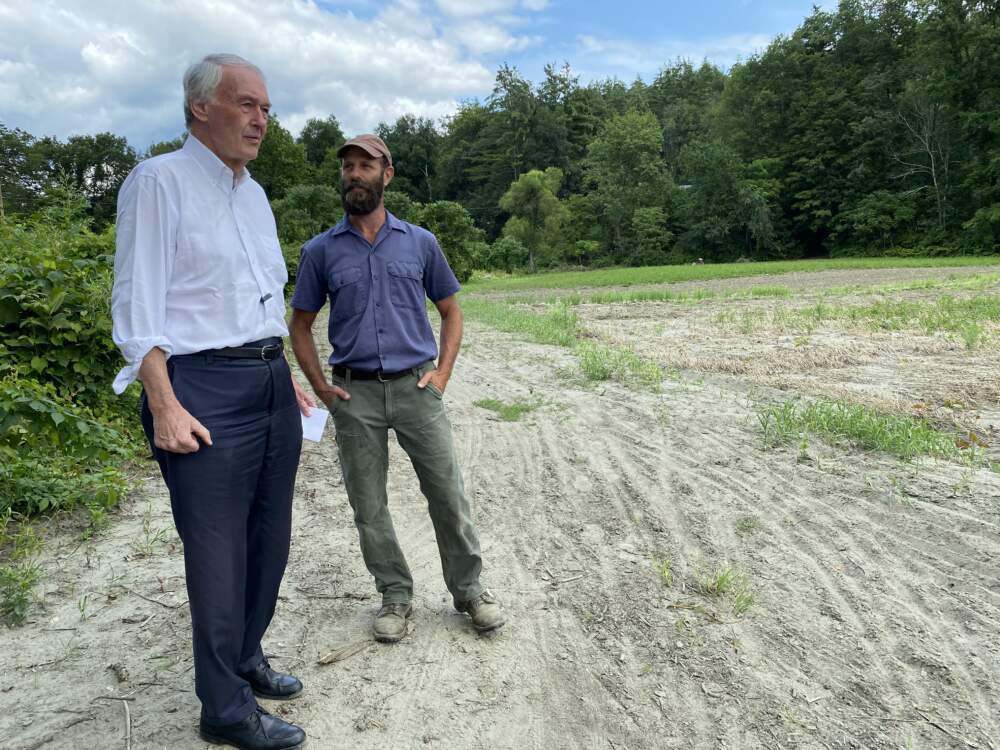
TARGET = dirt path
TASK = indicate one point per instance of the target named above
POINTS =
(874, 621)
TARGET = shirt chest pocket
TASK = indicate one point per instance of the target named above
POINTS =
(406, 284)
(348, 293)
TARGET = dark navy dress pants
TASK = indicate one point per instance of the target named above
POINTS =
(232, 505)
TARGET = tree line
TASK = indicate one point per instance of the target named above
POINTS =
(872, 129)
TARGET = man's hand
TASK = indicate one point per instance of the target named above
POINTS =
(175, 430)
(328, 393)
(438, 377)
(304, 400)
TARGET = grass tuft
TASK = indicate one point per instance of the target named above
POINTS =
(19, 570)
(726, 581)
(507, 412)
(902, 436)
(623, 365)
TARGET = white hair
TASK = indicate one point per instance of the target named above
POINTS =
(202, 79)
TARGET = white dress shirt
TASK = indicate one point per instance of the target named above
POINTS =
(197, 261)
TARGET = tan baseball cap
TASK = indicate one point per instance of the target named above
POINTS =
(370, 144)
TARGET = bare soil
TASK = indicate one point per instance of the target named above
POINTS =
(875, 620)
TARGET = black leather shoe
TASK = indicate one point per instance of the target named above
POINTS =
(266, 683)
(258, 731)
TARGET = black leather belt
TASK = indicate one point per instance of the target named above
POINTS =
(266, 353)
(380, 375)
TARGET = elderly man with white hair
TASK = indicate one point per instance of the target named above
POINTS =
(199, 314)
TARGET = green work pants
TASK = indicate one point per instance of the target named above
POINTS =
(423, 431)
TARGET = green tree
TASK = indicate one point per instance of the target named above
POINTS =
(95, 166)
(400, 205)
(507, 253)
(625, 166)
(165, 147)
(23, 174)
(683, 99)
(413, 142)
(465, 163)
(318, 136)
(536, 213)
(651, 238)
(305, 211)
(456, 233)
(879, 220)
(281, 162)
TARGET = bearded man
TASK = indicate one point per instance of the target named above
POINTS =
(376, 270)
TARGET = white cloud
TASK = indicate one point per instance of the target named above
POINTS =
(81, 66)
(487, 38)
(626, 58)
(472, 8)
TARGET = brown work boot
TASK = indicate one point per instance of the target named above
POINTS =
(390, 622)
(485, 612)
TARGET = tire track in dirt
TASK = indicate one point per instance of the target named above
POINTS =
(921, 617)
(853, 597)
(725, 488)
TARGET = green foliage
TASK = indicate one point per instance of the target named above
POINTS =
(60, 429)
(165, 147)
(982, 231)
(23, 171)
(55, 290)
(281, 162)
(624, 164)
(413, 142)
(305, 211)
(506, 254)
(879, 220)
(56, 454)
(320, 136)
(94, 166)
(400, 205)
(870, 127)
(455, 232)
(536, 213)
(652, 239)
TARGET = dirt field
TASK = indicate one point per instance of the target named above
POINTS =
(865, 611)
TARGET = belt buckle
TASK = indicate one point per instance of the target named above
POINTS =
(269, 352)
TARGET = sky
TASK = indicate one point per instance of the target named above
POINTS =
(71, 67)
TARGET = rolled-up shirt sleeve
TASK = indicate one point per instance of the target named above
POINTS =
(145, 246)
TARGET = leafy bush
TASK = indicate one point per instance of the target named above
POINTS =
(61, 428)
(455, 232)
(305, 211)
(55, 454)
(55, 291)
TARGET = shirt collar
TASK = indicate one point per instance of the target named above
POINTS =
(344, 225)
(217, 171)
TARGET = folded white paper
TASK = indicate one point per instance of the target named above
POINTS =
(312, 426)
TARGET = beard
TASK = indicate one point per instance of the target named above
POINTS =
(360, 198)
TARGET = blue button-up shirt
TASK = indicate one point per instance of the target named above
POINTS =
(378, 318)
